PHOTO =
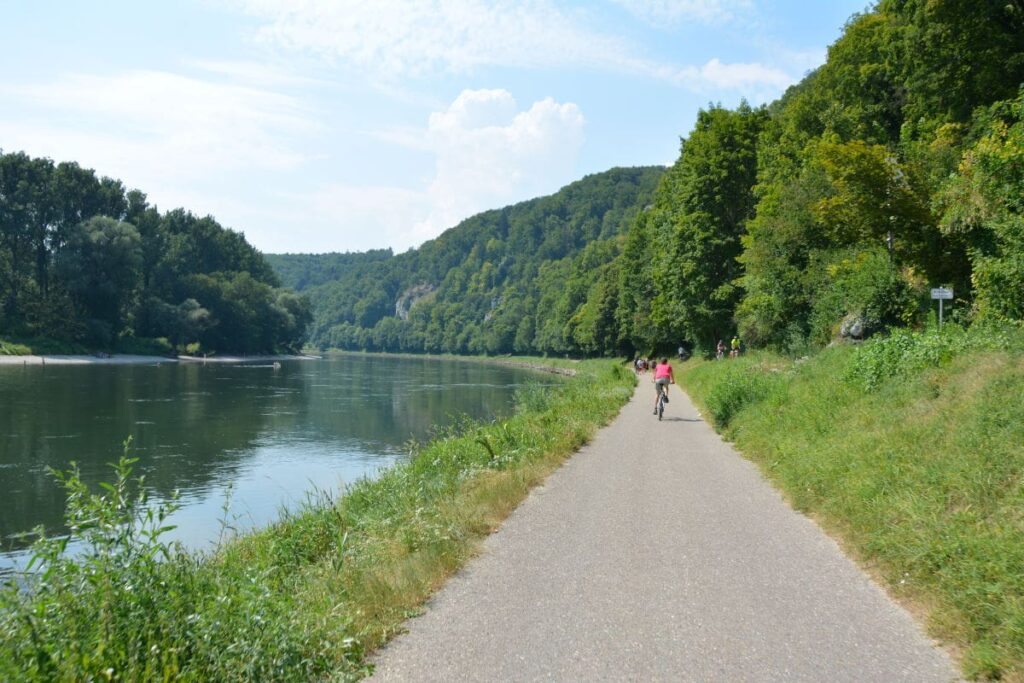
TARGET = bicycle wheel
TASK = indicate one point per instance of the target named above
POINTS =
(661, 407)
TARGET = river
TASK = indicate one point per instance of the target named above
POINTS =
(257, 436)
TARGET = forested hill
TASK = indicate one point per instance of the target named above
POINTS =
(87, 264)
(895, 167)
(539, 276)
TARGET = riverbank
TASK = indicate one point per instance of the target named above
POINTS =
(907, 450)
(131, 359)
(310, 596)
(555, 366)
(244, 359)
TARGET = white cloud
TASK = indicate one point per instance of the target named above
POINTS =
(251, 73)
(413, 37)
(488, 153)
(394, 39)
(153, 128)
(333, 217)
(715, 75)
(675, 12)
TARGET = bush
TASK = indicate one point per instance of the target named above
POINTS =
(862, 282)
(135, 606)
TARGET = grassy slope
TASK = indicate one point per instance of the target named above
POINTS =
(309, 597)
(922, 477)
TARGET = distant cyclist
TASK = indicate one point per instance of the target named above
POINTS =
(662, 378)
(720, 350)
(735, 343)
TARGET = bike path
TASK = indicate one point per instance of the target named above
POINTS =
(657, 553)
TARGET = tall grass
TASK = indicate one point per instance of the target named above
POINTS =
(911, 449)
(305, 599)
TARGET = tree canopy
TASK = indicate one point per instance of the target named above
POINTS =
(83, 260)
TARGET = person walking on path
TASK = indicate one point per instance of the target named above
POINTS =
(662, 378)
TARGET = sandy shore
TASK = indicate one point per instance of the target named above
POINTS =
(116, 359)
(126, 359)
(242, 359)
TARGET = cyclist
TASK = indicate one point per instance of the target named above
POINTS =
(720, 350)
(735, 346)
(662, 378)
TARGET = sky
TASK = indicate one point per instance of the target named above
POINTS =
(335, 125)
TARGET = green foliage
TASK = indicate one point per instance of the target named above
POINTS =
(84, 262)
(101, 266)
(892, 168)
(905, 353)
(864, 148)
(305, 271)
(862, 282)
(982, 204)
(130, 605)
(535, 277)
(698, 219)
(8, 348)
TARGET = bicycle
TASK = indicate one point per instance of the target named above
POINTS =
(662, 400)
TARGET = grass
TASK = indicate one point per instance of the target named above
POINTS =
(9, 348)
(309, 597)
(142, 346)
(911, 451)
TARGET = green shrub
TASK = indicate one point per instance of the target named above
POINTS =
(132, 605)
(863, 282)
(11, 349)
(145, 346)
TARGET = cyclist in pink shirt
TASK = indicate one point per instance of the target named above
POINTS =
(662, 378)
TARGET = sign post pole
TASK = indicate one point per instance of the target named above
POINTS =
(941, 293)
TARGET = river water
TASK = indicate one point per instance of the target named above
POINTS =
(254, 435)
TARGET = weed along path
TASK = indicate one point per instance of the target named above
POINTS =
(659, 554)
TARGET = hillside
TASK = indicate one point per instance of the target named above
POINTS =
(535, 277)
(895, 167)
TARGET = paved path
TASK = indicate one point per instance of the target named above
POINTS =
(658, 554)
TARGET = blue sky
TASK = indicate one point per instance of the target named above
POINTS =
(320, 125)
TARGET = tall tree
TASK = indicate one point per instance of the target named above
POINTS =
(700, 215)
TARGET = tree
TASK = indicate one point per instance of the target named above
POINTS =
(984, 205)
(102, 267)
(699, 217)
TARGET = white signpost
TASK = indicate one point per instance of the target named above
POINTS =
(942, 294)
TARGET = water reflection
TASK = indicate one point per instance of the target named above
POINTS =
(269, 433)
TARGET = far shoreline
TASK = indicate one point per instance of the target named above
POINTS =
(133, 359)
